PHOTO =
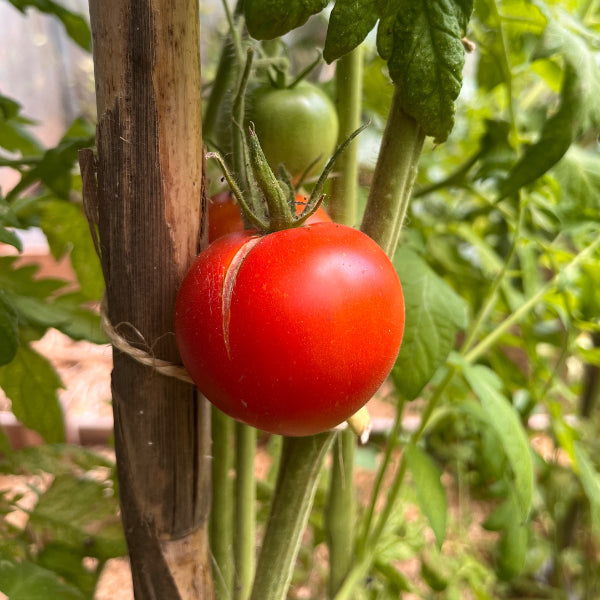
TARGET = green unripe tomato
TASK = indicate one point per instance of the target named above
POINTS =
(295, 126)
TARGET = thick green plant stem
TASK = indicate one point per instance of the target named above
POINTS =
(348, 86)
(340, 514)
(301, 462)
(245, 503)
(222, 509)
(394, 177)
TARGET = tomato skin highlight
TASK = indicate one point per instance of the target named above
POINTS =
(309, 330)
(224, 215)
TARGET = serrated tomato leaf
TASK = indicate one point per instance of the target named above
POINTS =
(268, 19)
(54, 168)
(30, 298)
(431, 494)
(81, 514)
(436, 312)
(31, 383)
(422, 43)
(349, 23)
(67, 231)
(503, 418)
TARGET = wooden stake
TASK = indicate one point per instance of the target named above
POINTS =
(148, 205)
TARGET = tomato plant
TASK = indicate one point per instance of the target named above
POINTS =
(290, 332)
(224, 215)
(297, 126)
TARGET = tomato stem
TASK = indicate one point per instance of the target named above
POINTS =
(343, 190)
(394, 177)
(340, 513)
(245, 514)
(221, 514)
(298, 476)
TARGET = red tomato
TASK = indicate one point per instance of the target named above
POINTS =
(224, 215)
(290, 332)
(320, 216)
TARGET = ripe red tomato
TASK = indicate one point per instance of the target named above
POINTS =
(224, 215)
(290, 332)
(295, 126)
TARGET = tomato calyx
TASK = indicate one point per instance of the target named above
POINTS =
(272, 203)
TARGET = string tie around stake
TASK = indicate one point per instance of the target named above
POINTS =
(163, 367)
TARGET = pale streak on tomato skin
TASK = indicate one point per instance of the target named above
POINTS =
(229, 283)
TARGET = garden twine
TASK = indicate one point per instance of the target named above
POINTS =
(163, 367)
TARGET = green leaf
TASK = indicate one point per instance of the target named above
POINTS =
(579, 107)
(31, 383)
(505, 421)
(377, 88)
(434, 573)
(436, 312)
(16, 138)
(512, 551)
(502, 516)
(431, 494)
(29, 297)
(75, 25)
(9, 334)
(81, 514)
(590, 480)
(9, 108)
(567, 39)
(578, 177)
(422, 43)
(27, 581)
(68, 563)
(349, 23)
(268, 19)
(11, 238)
(80, 323)
(67, 231)
(55, 166)
(555, 139)
(56, 459)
